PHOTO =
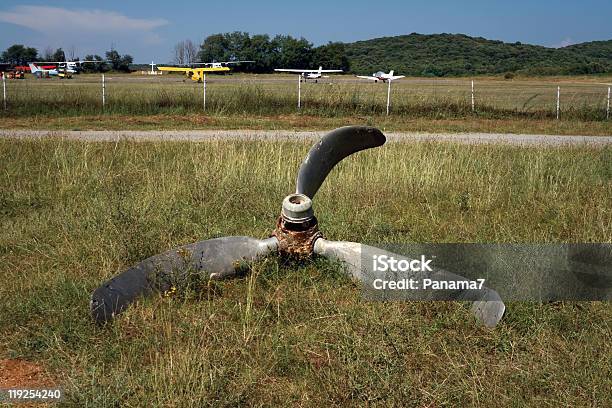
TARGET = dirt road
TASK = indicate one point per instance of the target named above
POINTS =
(202, 135)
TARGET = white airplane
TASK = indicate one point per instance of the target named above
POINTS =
(307, 74)
(72, 67)
(218, 64)
(381, 76)
(39, 72)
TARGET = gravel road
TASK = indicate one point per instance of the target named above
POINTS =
(202, 135)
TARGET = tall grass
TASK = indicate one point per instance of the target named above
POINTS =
(73, 214)
(31, 98)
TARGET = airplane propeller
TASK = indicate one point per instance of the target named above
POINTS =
(296, 235)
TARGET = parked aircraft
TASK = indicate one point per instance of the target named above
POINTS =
(45, 73)
(72, 67)
(307, 74)
(195, 74)
(381, 76)
(220, 64)
(26, 68)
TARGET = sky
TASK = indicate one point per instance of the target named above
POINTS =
(148, 30)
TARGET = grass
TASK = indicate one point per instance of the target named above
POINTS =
(306, 122)
(73, 214)
(268, 97)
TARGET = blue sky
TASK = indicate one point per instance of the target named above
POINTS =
(148, 30)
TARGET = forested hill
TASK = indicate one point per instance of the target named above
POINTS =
(458, 54)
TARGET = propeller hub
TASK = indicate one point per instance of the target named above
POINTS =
(297, 208)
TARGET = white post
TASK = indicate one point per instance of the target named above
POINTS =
(299, 91)
(472, 95)
(388, 95)
(607, 108)
(152, 68)
(4, 90)
(204, 88)
(558, 100)
(103, 91)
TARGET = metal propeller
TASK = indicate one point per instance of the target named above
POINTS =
(296, 235)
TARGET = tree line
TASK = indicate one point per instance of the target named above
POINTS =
(442, 55)
(19, 54)
(280, 51)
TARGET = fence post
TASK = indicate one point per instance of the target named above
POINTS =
(103, 92)
(472, 96)
(607, 107)
(204, 91)
(558, 100)
(388, 96)
(4, 89)
(299, 91)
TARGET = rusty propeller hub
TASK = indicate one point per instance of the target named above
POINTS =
(297, 228)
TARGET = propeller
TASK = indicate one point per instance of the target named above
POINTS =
(296, 235)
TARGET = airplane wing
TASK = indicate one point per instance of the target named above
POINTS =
(219, 62)
(296, 70)
(371, 78)
(393, 78)
(234, 62)
(175, 69)
(212, 69)
(186, 69)
(306, 70)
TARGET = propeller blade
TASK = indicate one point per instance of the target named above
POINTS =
(487, 306)
(332, 148)
(220, 257)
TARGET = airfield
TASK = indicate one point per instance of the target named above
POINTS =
(88, 190)
(581, 98)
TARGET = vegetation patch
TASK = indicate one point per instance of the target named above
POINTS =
(293, 333)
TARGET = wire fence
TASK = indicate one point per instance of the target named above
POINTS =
(270, 94)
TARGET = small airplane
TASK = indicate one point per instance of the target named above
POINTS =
(45, 73)
(307, 74)
(220, 64)
(72, 67)
(381, 76)
(195, 74)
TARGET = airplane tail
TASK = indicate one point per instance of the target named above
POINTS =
(320, 69)
(33, 68)
(391, 73)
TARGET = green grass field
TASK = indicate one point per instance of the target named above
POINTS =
(73, 214)
(583, 100)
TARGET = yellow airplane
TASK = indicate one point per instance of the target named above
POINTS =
(196, 74)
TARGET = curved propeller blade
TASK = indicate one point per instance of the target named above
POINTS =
(487, 307)
(220, 257)
(332, 148)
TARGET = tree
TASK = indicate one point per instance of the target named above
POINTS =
(98, 66)
(119, 62)
(191, 52)
(294, 53)
(48, 53)
(72, 53)
(59, 55)
(18, 54)
(263, 52)
(185, 52)
(331, 56)
(179, 53)
(213, 48)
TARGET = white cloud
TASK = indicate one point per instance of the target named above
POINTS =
(55, 20)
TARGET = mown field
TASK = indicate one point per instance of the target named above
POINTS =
(271, 98)
(73, 214)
